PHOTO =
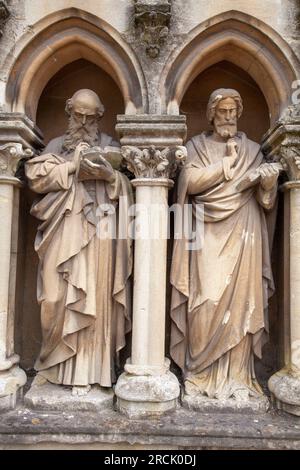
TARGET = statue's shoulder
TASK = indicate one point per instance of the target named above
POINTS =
(54, 145)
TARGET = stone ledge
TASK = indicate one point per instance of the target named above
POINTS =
(182, 429)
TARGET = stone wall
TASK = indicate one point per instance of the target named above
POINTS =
(186, 17)
(50, 49)
(282, 16)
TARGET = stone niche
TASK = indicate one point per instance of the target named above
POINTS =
(255, 123)
(255, 118)
(52, 120)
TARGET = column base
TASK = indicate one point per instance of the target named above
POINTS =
(285, 391)
(11, 381)
(147, 395)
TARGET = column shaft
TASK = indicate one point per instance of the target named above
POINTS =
(148, 341)
(12, 378)
(6, 208)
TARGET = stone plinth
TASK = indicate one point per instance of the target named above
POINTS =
(210, 405)
(60, 398)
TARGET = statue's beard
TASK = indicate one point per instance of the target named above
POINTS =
(227, 130)
(77, 132)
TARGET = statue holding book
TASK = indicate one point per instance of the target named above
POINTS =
(83, 279)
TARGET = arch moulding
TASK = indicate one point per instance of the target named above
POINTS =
(243, 40)
(61, 38)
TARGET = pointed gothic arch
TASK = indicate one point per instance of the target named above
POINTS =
(61, 38)
(243, 40)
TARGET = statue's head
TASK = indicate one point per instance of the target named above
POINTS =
(223, 110)
(85, 111)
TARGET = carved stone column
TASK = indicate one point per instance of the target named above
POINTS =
(17, 127)
(283, 142)
(152, 148)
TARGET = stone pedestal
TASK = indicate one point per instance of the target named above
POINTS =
(59, 398)
(151, 148)
(146, 395)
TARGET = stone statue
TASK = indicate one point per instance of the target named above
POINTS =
(220, 291)
(83, 278)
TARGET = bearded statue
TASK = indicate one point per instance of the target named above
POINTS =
(221, 289)
(83, 278)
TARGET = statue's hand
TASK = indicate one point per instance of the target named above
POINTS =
(232, 154)
(268, 176)
(79, 148)
(102, 172)
(75, 164)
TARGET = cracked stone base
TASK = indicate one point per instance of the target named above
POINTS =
(285, 391)
(10, 401)
(147, 409)
(60, 398)
(212, 405)
(11, 383)
(144, 396)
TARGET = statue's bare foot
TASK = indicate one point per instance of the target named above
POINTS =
(39, 380)
(80, 390)
(241, 394)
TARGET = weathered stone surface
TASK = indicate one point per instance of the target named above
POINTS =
(152, 162)
(261, 41)
(285, 389)
(156, 388)
(152, 21)
(181, 429)
(11, 381)
(10, 156)
(145, 130)
(18, 128)
(211, 405)
(60, 398)
(4, 15)
(140, 396)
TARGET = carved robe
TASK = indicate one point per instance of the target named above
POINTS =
(220, 291)
(83, 279)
